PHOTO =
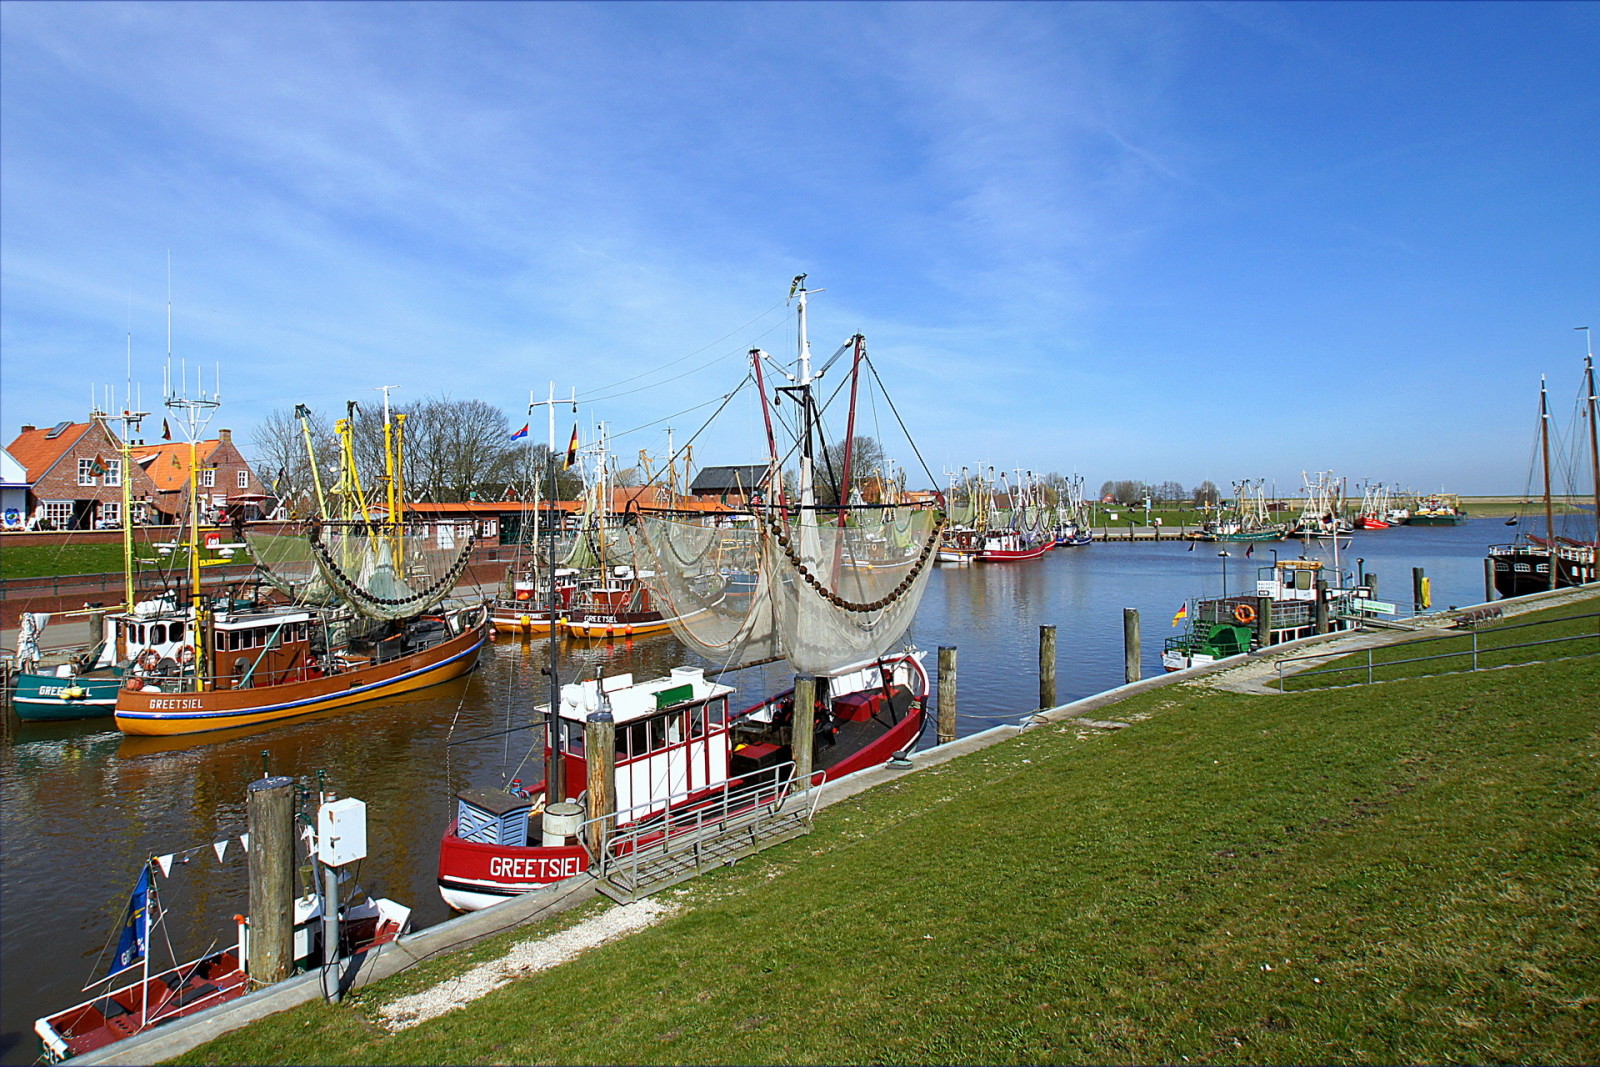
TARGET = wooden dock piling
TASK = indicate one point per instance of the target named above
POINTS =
(803, 729)
(1321, 608)
(1047, 667)
(600, 757)
(269, 811)
(947, 694)
(1132, 670)
(1488, 579)
(1419, 590)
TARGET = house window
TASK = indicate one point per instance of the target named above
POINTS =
(139, 510)
(244, 479)
(208, 477)
(59, 512)
(85, 472)
(113, 472)
(110, 513)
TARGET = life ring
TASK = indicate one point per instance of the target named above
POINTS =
(148, 659)
(1244, 613)
(185, 656)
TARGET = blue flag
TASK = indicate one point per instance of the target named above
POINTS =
(136, 927)
(520, 434)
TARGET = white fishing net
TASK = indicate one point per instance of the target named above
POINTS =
(383, 574)
(817, 594)
(287, 563)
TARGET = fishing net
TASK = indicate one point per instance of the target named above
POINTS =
(384, 573)
(287, 563)
(820, 595)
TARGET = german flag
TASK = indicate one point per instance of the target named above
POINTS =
(572, 449)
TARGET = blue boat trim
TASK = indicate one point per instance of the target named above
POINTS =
(234, 713)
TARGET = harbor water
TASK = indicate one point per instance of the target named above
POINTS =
(81, 806)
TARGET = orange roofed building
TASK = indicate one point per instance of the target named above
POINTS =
(75, 477)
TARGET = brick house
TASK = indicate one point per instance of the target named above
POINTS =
(74, 471)
(228, 484)
(75, 476)
(730, 485)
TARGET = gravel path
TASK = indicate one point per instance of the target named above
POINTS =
(525, 959)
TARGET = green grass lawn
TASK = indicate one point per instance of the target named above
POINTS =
(45, 561)
(1398, 874)
(1572, 630)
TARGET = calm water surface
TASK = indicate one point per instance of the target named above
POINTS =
(81, 806)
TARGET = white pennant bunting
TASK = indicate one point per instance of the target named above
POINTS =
(244, 841)
(220, 848)
(165, 863)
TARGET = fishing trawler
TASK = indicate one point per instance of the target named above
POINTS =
(829, 589)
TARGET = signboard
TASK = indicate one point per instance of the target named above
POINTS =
(1377, 607)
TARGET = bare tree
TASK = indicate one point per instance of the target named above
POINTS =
(1206, 494)
(281, 460)
(866, 462)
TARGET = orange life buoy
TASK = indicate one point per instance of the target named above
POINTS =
(185, 656)
(147, 659)
(1244, 613)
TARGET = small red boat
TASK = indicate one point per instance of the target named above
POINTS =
(1009, 546)
(203, 983)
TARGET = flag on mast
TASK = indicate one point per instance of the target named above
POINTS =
(572, 449)
(136, 927)
(1183, 613)
(166, 431)
(520, 434)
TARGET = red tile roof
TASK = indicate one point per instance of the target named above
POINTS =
(169, 462)
(38, 452)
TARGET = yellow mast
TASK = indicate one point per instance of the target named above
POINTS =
(303, 413)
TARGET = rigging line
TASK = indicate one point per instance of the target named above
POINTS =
(657, 422)
(590, 398)
(748, 378)
(868, 360)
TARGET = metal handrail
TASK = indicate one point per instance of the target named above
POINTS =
(1475, 651)
(687, 825)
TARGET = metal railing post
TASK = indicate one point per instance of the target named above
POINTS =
(1369, 666)
(1474, 649)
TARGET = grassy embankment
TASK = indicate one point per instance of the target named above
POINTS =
(1402, 873)
(1551, 634)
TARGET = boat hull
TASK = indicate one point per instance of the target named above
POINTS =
(609, 627)
(149, 714)
(1437, 520)
(1005, 555)
(45, 697)
(1523, 569)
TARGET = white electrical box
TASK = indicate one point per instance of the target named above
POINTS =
(342, 831)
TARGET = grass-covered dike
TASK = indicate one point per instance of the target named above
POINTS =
(1400, 873)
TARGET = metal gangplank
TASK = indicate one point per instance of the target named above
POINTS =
(657, 849)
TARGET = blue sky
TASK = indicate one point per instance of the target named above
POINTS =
(1130, 240)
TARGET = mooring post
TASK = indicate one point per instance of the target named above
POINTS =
(269, 812)
(1370, 580)
(1047, 667)
(1419, 596)
(1488, 579)
(1131, 670)
(600, 757)
(1263, 621)
(947, 694)
(803, 727)
(1321, 608)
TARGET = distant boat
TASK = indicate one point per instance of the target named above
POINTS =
(1535, 563)
(1439, 509)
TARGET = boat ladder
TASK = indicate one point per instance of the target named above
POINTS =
(654, 853)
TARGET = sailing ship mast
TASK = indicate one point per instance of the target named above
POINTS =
(1544, 452)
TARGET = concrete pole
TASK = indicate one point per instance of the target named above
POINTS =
(269, 810)
(1321, 608)
(1488, 579)
(330, 933)
(803, 728)
(600, 757)
(1047, 667)
(1131, 659)
(947, 694)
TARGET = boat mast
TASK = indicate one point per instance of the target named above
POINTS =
(1544, 451)
(1594, 434)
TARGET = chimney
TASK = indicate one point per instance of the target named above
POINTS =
(225, 437)
(26, 429)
